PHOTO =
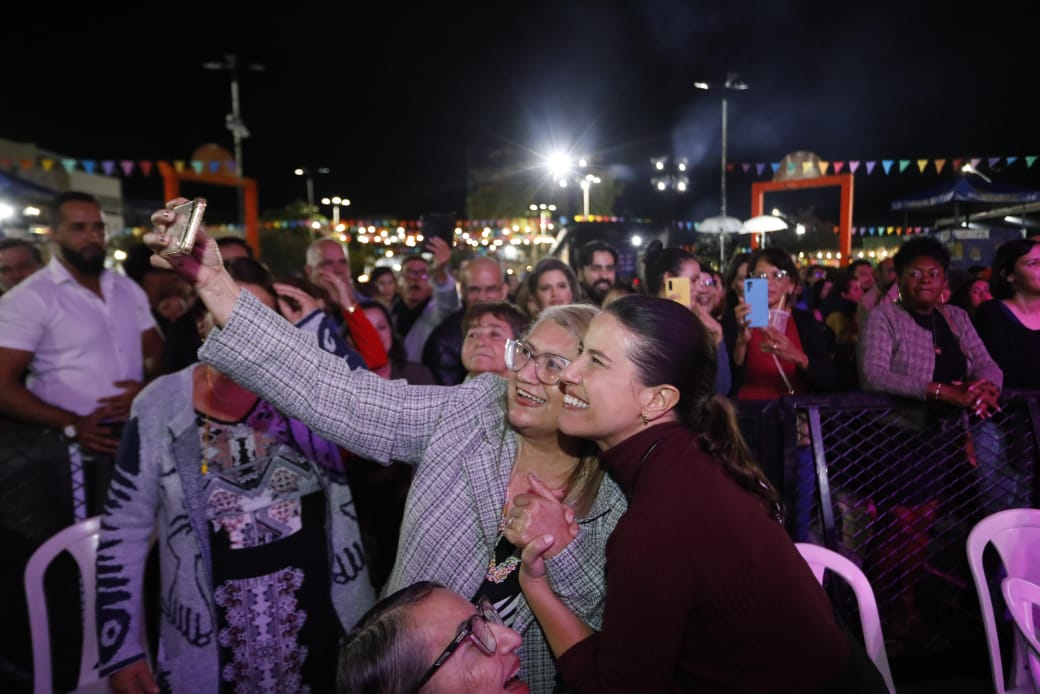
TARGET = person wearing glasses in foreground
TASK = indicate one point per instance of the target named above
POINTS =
(705, 589)
(426, 638)
(473, 445)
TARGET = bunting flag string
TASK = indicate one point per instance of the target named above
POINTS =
(144, 167)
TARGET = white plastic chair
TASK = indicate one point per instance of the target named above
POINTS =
(1022, 597)
(81, 541)
(821, 560)
(1015, 534)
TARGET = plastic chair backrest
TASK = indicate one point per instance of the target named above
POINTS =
(1022, 597)
(81, 541)
(821, 560)
(1015, 534)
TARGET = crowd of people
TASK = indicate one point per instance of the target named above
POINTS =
(438, 481)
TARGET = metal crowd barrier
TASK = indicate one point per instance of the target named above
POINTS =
(897, 491)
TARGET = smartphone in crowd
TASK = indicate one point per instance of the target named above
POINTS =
(756, 295)
(678, 289)
(186, 223)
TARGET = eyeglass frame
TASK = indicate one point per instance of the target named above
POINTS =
(487, 614)
(513, 345)
(776, 275)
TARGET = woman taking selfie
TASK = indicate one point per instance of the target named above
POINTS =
(473, 446)
(705, 589)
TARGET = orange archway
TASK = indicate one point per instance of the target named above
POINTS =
(759, 189)
(172, 189)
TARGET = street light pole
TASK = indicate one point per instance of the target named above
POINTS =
(732, 83)
(238, 128)
(335, 201)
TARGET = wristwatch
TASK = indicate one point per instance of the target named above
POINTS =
(70, 432)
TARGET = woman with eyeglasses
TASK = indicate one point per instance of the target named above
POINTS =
(769, 363)
(663, 264)
(426, 631)
(705, 589)
(920, 349)
(473, 446)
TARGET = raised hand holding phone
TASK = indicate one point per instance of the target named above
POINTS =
(678, 289)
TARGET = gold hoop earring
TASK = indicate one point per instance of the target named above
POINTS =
(643, 419)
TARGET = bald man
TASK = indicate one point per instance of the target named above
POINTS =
(482, 281)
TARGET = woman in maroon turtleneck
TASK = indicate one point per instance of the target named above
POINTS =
(705, 590)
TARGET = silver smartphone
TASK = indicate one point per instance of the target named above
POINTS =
(186, 223)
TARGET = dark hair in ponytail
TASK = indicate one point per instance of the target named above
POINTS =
(671, 345)
(659, 260)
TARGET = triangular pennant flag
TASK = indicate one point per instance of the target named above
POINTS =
(921, 163)
(108, 166)
(88, 165)
(196, 165)
(214, 166)
(807, 167)
(47, 164)
(939, 164)
(824, 165)
(899, 231)
(759, 168)
(127, 165)
(790, 167)
(975, 162)
(903, 163)
(730, 167)
(230, 164)
(775, 166)
(838, 166)
(853, 165)
(870, 167)
(957, 164)
(1029, 161)
(890, 230)
(745, 167)
(69, 164)
(887, 165)
(146, 167)
(27, 164)
(1011, 160)
(178, 165)
(993, 161)
(917, 230)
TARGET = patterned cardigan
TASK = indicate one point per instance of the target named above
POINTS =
(896, 355)
(464, 452)
(159, 480)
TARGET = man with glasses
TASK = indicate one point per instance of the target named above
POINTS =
(387, 651)
(420, 305)
(482, 281)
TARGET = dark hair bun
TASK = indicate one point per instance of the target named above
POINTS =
(653, 248)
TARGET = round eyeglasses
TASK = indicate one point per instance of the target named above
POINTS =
(478, 629)
(548, 367)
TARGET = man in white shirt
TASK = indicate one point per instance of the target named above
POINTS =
(85, 335)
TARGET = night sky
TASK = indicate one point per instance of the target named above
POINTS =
(393, 99)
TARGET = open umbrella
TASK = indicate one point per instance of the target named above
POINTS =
(763, 224)
(720, 225)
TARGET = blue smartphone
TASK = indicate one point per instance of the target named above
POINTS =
(756, 295)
